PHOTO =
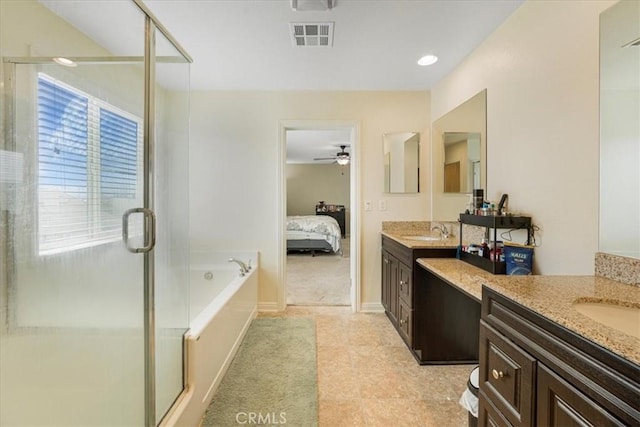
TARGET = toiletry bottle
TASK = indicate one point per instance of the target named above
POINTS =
(484, 249)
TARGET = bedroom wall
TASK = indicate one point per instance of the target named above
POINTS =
(308, 184)
(540, 69)
(234, 170)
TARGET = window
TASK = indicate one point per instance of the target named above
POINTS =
(89, 157)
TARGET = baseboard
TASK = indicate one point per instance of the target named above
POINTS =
(371, 307)
(267, 307)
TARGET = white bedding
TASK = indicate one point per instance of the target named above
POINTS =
(314, 227)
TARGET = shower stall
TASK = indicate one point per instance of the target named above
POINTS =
(94, 250)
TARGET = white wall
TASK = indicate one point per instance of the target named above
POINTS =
(540, 69)
(234, 170)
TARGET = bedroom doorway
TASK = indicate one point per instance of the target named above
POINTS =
(319, 256)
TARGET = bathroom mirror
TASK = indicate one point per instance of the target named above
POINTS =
(461, 162)
(620, 130)
(401, 162)
(459, 157)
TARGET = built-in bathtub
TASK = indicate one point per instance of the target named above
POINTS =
(222, 303)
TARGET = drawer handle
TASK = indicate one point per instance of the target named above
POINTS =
(497, 374)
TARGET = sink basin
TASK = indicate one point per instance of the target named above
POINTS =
(620, 317)
(423, 238)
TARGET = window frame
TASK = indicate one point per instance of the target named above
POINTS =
(93, 168)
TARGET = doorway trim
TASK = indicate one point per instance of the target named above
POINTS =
(354, 203)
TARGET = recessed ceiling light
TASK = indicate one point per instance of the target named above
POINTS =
(427, 60)
(64, 61)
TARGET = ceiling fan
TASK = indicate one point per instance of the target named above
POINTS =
(342, 157)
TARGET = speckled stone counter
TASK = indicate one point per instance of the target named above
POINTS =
(451, 242)
(551, 297)
(398, 230)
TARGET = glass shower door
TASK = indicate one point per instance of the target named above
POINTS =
(72, 160)
(72, 348)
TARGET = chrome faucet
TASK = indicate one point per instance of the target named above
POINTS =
(444, 232)
(244, 268)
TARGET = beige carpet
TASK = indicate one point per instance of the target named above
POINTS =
(319, 280)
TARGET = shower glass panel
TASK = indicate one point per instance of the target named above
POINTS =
(171, 197)
(72, 161)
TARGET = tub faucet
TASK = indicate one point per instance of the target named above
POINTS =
(244, 269)
(444, 232)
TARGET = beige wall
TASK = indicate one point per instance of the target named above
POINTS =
(234, 170)
(308, 184)
(540, 69)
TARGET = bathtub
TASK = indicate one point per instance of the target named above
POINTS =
(222, 305)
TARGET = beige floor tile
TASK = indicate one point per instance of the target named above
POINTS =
(441, 414)
(390, 412)
(339, 413)
(368, 377)
(330, 330)
(338, 385)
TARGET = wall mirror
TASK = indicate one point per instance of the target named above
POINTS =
(459, 157)
(461, 162)
(620, 130)
(401, 162)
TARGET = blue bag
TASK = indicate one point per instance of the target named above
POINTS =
(519, 259)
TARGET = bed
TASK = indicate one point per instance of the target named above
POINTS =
(311, 233)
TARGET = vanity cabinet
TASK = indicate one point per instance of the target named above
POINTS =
(534, 372)
(405, 300)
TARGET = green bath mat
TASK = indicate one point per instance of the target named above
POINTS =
(272, 379)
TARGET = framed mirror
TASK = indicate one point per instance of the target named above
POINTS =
(459, 157)
(401, 162)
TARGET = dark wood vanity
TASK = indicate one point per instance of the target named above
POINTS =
(438, 323)
(534, 372)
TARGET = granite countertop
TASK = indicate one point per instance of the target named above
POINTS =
(451, 242)
(551, 297)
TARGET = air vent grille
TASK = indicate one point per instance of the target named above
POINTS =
(312, 34)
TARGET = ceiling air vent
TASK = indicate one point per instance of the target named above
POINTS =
(304, 5)
(312, 33)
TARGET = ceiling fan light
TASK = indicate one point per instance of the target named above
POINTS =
(342, 161)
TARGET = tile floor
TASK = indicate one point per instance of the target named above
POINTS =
(368, 377)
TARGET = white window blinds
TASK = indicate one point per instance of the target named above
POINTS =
(89, 163)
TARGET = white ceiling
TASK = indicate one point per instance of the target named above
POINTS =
(247, 45)
(303, 146)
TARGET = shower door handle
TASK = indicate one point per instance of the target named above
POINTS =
(150, 230)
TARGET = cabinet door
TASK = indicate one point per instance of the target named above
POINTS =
(390, 285)
(560, 404)
(405, 322)
(507, 376)
(404, 283)
(393, 288)
(488, 415)
(386, 280)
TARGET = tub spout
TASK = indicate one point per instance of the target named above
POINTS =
(244, 269)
